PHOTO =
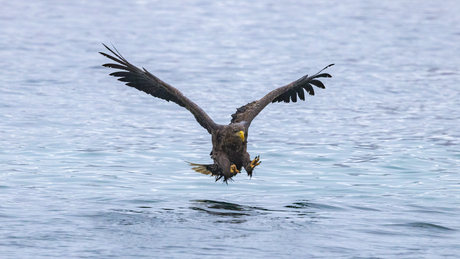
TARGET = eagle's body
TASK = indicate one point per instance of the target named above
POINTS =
(229, 148)
(229, 142)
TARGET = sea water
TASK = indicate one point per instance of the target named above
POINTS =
(367, 168)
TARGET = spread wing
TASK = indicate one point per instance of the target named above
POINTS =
(285, 93)
(142, 80)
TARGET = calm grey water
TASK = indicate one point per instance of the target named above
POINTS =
(368, 168)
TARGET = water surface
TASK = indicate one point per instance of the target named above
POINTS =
(368, 168)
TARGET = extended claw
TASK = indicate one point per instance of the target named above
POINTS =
(255, 162)
(234, 170)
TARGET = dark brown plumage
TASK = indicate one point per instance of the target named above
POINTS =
(229, 142)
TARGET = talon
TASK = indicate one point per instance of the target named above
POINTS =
(255, 162)
(234, 170)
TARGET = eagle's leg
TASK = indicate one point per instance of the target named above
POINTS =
(234, 170)
(255, 162)
(250, 165)
(226, 169)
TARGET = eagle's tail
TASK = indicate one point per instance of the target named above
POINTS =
(211, 170)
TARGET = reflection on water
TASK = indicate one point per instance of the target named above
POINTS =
(219, 208)
(312, 206)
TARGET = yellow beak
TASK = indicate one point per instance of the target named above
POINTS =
(241, 134)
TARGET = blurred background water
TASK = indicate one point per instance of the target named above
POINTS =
(368, 168)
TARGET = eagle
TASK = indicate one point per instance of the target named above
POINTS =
(229, 142)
